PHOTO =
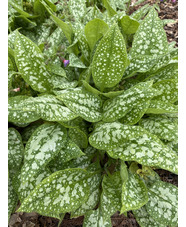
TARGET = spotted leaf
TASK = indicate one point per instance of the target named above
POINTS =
(111, 12)
(160, 107)
(163, 203)
(144, 219)
(17, 114)
(83, 103)
(129, 25)
(94, 30)
(132, 98)
(75, 61)
(134, 193)
(48, 108)
(30, 63)
(94, 218)
(12, 198)
(63, 191)
(44, 144)
(63, 83)
(15, 149)
(111, 135)
(147, 150)
(141, 12)
(57, 69)
(78, 136)
(111, 195)
(110, 59)
(77, 9)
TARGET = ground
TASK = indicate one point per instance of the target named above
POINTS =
(168, 10)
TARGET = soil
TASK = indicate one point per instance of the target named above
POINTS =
(168, 10)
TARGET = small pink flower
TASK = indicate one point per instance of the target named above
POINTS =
(173, 1)
(16, 89)
(66, 62)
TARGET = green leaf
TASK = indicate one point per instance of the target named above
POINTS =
(44, 144)
(111, 195)
(57, 69)
(111, 135)
(62, 83)
(63, 191)
(12, 198)
(123, 171)
(110, 59)
(94, 30)
(95, 218)
(78, 136)
(77, 9)
(134, 193)
(165, 128)
(15, 149)
(132, 98)
(141, 12)
(159, 107)
(23, 190)
(129, 25)
(147, 150)
(111, 12)
(169, 89)
(163, 203)
(75, 61)
(30, 63)
(48, 108)
(27, 132)
(17, 114)
(83, 103)
(144, 219)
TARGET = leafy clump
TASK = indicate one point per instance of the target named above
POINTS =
(92, 111)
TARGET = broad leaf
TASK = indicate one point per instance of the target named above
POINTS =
(44, 144)
(61, 192)
(129, 25)
(110, 59)
(147, 150)
(83, 103)
(111, 195)
(160, 107)
(134, 193)
(163, 203)
(30, 63)
(111, 135)
(17, 114)
(94, 30)
(15, 149)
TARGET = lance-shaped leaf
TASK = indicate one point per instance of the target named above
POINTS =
(23, 190)
(111, 135)
(169, 89)
(144, 219)
(150, 39)
(110, 10)
(129, 25)
(57, 69)
(49, 108)
(83, 103)
(62, 83)
(119, 106)
(93, 198)
(111, 195)
(12, 198)
(15, 149)
(94, 30)
(163, 127)
(83, 45)
(147, 150)
(75, 61)
(30, 63)
(44, 144)
(163, 203)
(77, 9)
(160, 107)
(70, 151)
(63, 191)
(17, 114)
(110, 59)
(134, 193)
(94, 218)
(141, 12)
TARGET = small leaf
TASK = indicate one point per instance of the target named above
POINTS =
(75, 61)
(12, 198)
(129, 25)
(110, 59)
(44, 144)
(134, 193)
(141, 12)
(57, 69)
(159, 107)
(163, 203)
(17, 114)
(95, 218)
(84, 103)
(78, 136)
(30, 63)
(63, 191)
(111, 12)
(111, 135)
(94, 30)
(27, 132)
(62, 83)
(111, 195)
(15, 149)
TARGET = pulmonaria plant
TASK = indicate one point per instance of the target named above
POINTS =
(86, 135)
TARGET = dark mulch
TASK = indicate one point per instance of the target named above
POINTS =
(168, 10)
